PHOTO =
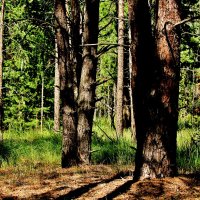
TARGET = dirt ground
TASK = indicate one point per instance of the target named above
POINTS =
(93, 182)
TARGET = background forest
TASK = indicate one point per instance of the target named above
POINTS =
(28, 88)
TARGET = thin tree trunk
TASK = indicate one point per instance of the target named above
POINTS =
(42, 103)
(86, 99)
(131, 88)
(69, 115)
(133, 10)
(120, 70)
(1, 67)
(56, 93)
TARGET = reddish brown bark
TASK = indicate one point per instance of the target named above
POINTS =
(156, 90)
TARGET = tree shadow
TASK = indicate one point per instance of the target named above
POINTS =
(73, 194)
(119, 190)
(5, 152)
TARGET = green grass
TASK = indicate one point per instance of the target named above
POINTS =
(32, 148)
(188, 151)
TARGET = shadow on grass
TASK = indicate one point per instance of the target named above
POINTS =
(107, 151)
(5, 152)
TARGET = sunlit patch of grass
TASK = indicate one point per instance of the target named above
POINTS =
(102, 126)
(32, 147)
(188, 151)
(108, 148)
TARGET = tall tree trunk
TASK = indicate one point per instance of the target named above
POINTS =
(56, 93)
(131, 79)
(86, 99)
(156, 91)
(69, 115)
(120, 69)
(76, 40)
(134, 9)
(42, 103)
(168, 57)
(1, 68)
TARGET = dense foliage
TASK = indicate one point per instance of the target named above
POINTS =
(29, 61)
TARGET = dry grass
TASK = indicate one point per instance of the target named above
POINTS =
(92, 182)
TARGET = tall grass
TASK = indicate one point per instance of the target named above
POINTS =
(33, 148)
(188, 151)
(30, 148)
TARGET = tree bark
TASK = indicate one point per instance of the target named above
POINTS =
(156, 91)
(120, 69)
(42, 103)
(69, 115)
(1, 67)
(56, 93)
(76, 40)
(168, 59)
(86, 99)
(131, 80)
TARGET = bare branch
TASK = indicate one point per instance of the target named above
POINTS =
(105, 49)
(102, 82)
(187, 20)
(103, 44)
(104, 132)
(99, 99)
(106, 25)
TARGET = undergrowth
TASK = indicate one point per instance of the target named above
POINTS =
(33, 148)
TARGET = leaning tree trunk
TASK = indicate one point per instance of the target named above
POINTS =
(156, 92)
(120, 70)
(86, 99)
(1, 68)
(69, 115)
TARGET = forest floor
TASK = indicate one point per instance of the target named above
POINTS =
(93, 182)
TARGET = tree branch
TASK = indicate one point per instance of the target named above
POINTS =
(187, 20)
(102, 82)
(104, 132)
(103, 44)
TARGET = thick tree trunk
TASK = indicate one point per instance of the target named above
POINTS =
(86, 99)
(69, 115)
(1, 68)
(56, 93)
(168, 57)
(120, 69)
(156, 92)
